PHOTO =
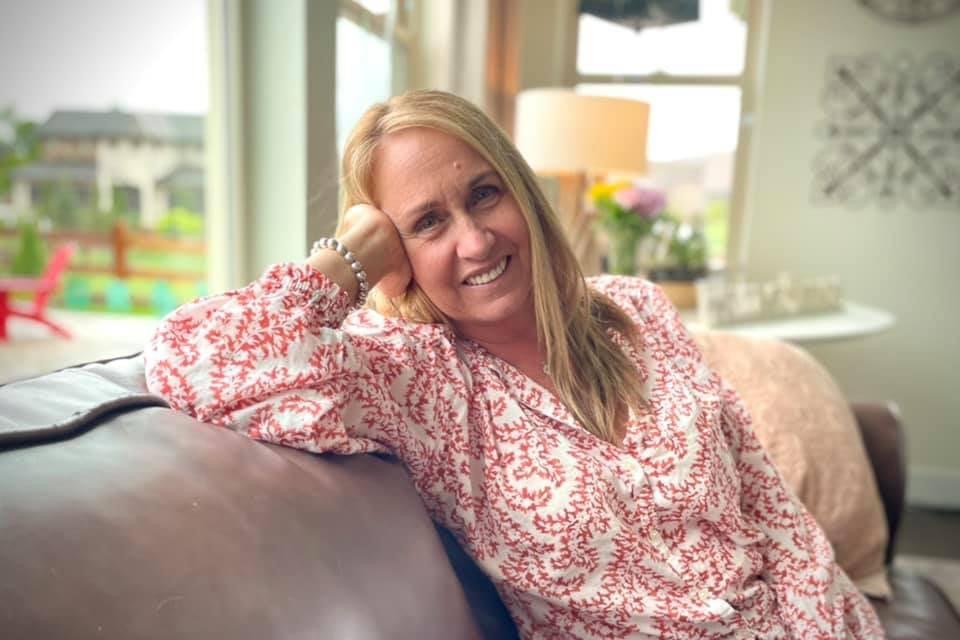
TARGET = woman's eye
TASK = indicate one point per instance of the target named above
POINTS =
(427, 222)
(485, 194)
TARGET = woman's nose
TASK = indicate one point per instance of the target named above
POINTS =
(474, 239)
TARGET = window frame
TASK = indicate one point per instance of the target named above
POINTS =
(748, 82)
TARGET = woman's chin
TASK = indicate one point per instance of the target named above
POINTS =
(510, 313)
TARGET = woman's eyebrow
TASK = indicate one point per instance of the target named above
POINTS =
(480, 177)
(424, 207)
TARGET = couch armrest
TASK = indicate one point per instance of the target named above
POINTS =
(883, 438)
(125, 520)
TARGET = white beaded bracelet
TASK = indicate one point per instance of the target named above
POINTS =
(355, 266)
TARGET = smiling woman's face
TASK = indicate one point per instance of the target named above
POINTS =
(463, 232)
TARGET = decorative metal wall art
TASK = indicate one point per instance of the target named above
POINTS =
(891, 133)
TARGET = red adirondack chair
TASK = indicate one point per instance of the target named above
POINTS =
(42, 288)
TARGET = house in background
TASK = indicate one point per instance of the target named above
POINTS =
(154, 162)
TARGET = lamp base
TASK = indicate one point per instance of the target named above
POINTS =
(577, 221)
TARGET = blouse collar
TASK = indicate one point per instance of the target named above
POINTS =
(535, 397)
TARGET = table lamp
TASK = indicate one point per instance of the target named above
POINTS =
(573, 138)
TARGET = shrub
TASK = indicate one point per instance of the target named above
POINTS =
(180, 222)
(31, 257)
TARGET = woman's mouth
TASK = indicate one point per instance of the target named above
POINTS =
(489, 276)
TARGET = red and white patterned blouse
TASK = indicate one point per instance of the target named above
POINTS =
(686, 531)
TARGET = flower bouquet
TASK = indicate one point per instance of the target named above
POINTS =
(626, 212)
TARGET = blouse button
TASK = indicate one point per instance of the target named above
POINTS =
(705, 595)
(719, 607)
(656, 538)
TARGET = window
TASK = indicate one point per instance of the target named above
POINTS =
(692, 73)
(374, 43)
(101, 127)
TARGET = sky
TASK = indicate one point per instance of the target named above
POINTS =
(139, 55)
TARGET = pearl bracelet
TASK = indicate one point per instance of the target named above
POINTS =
(355, 266)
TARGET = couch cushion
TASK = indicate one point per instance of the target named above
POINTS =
(71, 400)
(808, 428)
(918, 610)
(153, 525)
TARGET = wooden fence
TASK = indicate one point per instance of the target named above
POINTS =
(120, 240)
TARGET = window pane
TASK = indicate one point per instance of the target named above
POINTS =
(363, 74)
(104, 105)
(712, 45)
(691, 144)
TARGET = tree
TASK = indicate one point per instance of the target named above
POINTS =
(31, 255)
(19, 144)
(59, 203)
(126, 205)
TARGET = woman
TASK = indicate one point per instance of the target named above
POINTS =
(568, 432)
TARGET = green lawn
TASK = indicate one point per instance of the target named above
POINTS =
(104, 292)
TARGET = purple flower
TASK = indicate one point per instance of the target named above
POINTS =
(646, 203)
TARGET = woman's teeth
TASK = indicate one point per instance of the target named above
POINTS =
(489, 276)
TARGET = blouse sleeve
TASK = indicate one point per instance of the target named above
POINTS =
(272, 360)
(816, 597)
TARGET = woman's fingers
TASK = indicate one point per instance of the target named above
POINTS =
(373, 238)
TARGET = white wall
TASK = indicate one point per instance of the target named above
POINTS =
(904, 260)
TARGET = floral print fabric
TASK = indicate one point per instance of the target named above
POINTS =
(685, 530)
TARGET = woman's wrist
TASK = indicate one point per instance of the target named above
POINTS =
(370, 244)
(334, 267)
(374, 243)
(350, 259)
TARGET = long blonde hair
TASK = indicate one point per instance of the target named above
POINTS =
(593, 376)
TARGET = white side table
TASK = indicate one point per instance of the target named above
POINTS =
(854, 321)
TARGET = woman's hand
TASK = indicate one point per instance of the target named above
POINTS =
(378, 247)
(372, 237)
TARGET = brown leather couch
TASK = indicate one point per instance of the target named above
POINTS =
(120, 518)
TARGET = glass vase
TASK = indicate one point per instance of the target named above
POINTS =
(622, 257)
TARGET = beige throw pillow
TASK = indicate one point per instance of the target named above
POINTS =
(810, 432)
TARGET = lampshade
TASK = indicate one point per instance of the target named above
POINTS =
(561, 131)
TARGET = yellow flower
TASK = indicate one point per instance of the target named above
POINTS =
(606, 189)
